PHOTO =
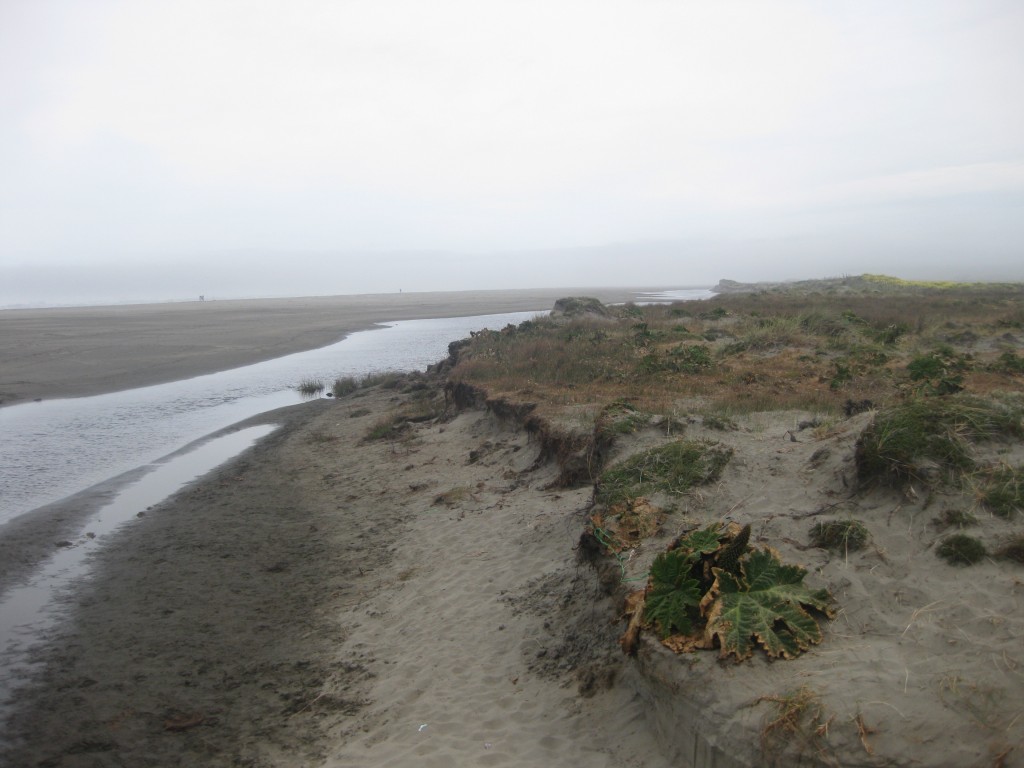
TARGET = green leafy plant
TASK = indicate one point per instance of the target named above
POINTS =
(710, 589)
(764, 605)
(674, 593)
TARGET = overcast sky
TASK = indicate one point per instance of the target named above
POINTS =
(337, 146)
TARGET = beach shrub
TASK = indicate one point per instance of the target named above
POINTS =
(711, 589)
(960, 549)
(695, 358)
(673, 468)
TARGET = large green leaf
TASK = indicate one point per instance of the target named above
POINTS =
(703, 541)
(673, 592)
(764, 604)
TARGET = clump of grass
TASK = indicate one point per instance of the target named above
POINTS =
(889, 334)
(453, 496)
(359, 412)
(775, 331)
(396, 424)
(382, 379)
(693, 358)
(388, 427)
(720, 423)
(344, 385)
(620, 418)
(902, 440)
(843, 375)
(840, 535)
(1008, 362)
(961, 549)
(1013, 549)
(673, 468)
(799, 717)
(954, 518)
(310, 387)
(1003, 491)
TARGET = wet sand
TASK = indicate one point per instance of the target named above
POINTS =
(80, 351)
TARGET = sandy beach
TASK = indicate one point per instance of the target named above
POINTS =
(79, 351)
(314, 603)
(329, 600)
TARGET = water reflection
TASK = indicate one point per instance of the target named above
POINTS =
(28, 610)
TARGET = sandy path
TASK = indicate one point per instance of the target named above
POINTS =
(76, 351)
(310, 603)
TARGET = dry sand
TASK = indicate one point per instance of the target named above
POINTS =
(77, 351)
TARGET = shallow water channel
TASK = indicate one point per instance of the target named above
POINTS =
(54, 448)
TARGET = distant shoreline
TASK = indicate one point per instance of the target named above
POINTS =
(146, 302)
(79, 351)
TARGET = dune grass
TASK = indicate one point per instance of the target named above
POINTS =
(310, 387)
(741, 353)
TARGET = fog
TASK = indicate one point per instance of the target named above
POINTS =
(162, 151)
